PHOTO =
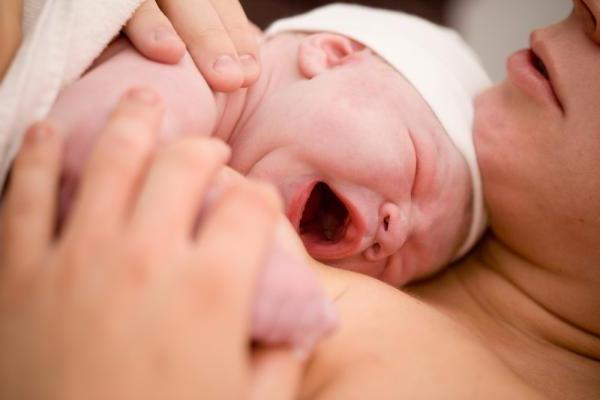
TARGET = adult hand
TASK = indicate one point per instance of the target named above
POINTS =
(10, 32)
(217, 34)
(130, 300)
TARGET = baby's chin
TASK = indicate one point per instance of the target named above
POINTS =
(394, 270)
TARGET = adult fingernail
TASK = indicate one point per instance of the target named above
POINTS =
(249, 63)
(226, 65)
(143, 96)
(38, 133)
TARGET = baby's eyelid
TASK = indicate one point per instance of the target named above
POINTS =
(416, 175)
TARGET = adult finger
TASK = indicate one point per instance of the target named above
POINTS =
(152, 34)
(175, 187)
(208, 42)
(29, 211)
(117, 163)
(242, 35)
(232, 246)
(276, 375)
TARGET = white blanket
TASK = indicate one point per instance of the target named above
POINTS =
(61, 38)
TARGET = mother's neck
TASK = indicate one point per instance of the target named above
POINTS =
(542, 320)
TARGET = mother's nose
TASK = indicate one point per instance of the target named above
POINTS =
(391, 233)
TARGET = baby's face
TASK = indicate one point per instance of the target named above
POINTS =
(370, 180)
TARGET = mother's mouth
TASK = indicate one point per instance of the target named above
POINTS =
(528, 71)
(329, 224)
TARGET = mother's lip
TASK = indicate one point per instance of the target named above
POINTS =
(355, 230)
(523, 73)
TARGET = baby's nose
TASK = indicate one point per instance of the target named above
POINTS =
(391, 233)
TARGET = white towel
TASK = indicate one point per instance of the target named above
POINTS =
(61, 38)
(434, 59)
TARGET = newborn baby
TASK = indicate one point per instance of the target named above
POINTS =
(361, 118)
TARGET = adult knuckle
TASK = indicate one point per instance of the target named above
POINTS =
(210, 277)
(134, 263)
(141, 253)
(206, 36)
(238, 28)
(73, 258)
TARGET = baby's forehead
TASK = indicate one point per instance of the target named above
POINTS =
(377, 89)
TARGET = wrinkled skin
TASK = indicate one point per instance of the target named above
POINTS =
(369, 178)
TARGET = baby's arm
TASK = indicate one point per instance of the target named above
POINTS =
(83, 107)
(290, 307)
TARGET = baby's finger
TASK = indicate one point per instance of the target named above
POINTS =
(209, 44)
(117, 163)
(242, 35)
(174, 190)
(153, 35)
(29, 211)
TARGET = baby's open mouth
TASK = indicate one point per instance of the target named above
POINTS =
(325, 218)
(328, 224)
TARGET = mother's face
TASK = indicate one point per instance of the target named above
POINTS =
(538, 137)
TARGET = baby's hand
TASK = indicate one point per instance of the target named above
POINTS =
(217, 34)
(290, 307)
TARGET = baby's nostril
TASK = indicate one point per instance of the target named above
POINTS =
(386, 223)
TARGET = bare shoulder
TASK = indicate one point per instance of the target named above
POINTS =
(392, 345)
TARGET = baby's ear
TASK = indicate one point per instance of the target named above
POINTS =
(322, 51)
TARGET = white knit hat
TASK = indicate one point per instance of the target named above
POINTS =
(435, 60)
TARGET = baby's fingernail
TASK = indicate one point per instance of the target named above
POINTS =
(144, 96)
(226, 65)
(249, 64)
(164, 33)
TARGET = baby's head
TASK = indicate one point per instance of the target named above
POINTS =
(371, 176)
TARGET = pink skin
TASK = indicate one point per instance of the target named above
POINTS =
(403, 222)
(394, 190)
